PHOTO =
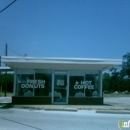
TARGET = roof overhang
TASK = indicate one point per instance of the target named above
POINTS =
(60, 63)
(5, 69)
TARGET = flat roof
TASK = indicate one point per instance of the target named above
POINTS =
(60, 63)
(5, 69)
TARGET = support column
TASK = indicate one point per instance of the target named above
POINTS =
(34, 79)
(14, 90)
(100, 76)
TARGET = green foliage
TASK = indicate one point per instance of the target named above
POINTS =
(9, 79)
(118, 79)
(106, 81)
(126, 65)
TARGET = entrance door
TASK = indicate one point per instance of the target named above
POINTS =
(60, 88)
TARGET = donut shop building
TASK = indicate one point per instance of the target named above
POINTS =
(58, 80)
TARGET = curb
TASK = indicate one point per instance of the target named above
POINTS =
(106, 111)
(113, 112)
(46, 109)
(71, 109)
(55, 109)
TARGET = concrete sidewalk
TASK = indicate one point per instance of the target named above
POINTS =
(97, 108)
(111, 105)
(5, 100)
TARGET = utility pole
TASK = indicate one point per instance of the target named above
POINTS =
(6, 49)
(0, 76)
(0, 61)
(6, 53)
(0, 64)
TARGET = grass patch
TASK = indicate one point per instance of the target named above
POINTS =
(116, 95)
(8, 94)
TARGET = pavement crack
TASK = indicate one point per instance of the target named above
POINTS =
(21, 123)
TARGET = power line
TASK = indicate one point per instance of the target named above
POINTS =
(7, 6)
(14, 52)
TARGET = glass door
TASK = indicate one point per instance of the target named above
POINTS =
(60, 88)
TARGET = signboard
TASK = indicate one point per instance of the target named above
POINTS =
(60, 82)
(83, 85)
(34, 84)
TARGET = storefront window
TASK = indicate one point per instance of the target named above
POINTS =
(75, 89)
(84, 85)
(44, 80)
(33, 82)
(23, 84)
(92, 85)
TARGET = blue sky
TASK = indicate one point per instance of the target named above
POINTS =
(66, 28)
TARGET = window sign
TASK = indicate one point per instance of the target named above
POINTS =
(44, 79)
(83, 85)
(33, 84)
(60, 82)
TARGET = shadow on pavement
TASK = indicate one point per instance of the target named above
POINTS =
(6, 105)
(107, 105)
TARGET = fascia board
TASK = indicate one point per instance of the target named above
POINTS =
(61, 60)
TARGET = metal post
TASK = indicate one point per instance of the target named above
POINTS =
(101, 84)
(0, 60)
(6, 53)
(0, 76)
(0, 90)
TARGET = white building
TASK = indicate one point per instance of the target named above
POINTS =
(58, 80)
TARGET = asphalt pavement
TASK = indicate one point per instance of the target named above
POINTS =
(25, 119)
(114, 105)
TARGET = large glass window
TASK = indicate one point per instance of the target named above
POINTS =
(33, 82)
(76, 77)
(23, 85)
(75, 89)
(45, 78)
(93, 85)
(84, 85)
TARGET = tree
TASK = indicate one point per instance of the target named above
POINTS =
(9, 78)
(126, 65)
(106, 81)
(126, 69)
(118, 79)
(115, 84)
